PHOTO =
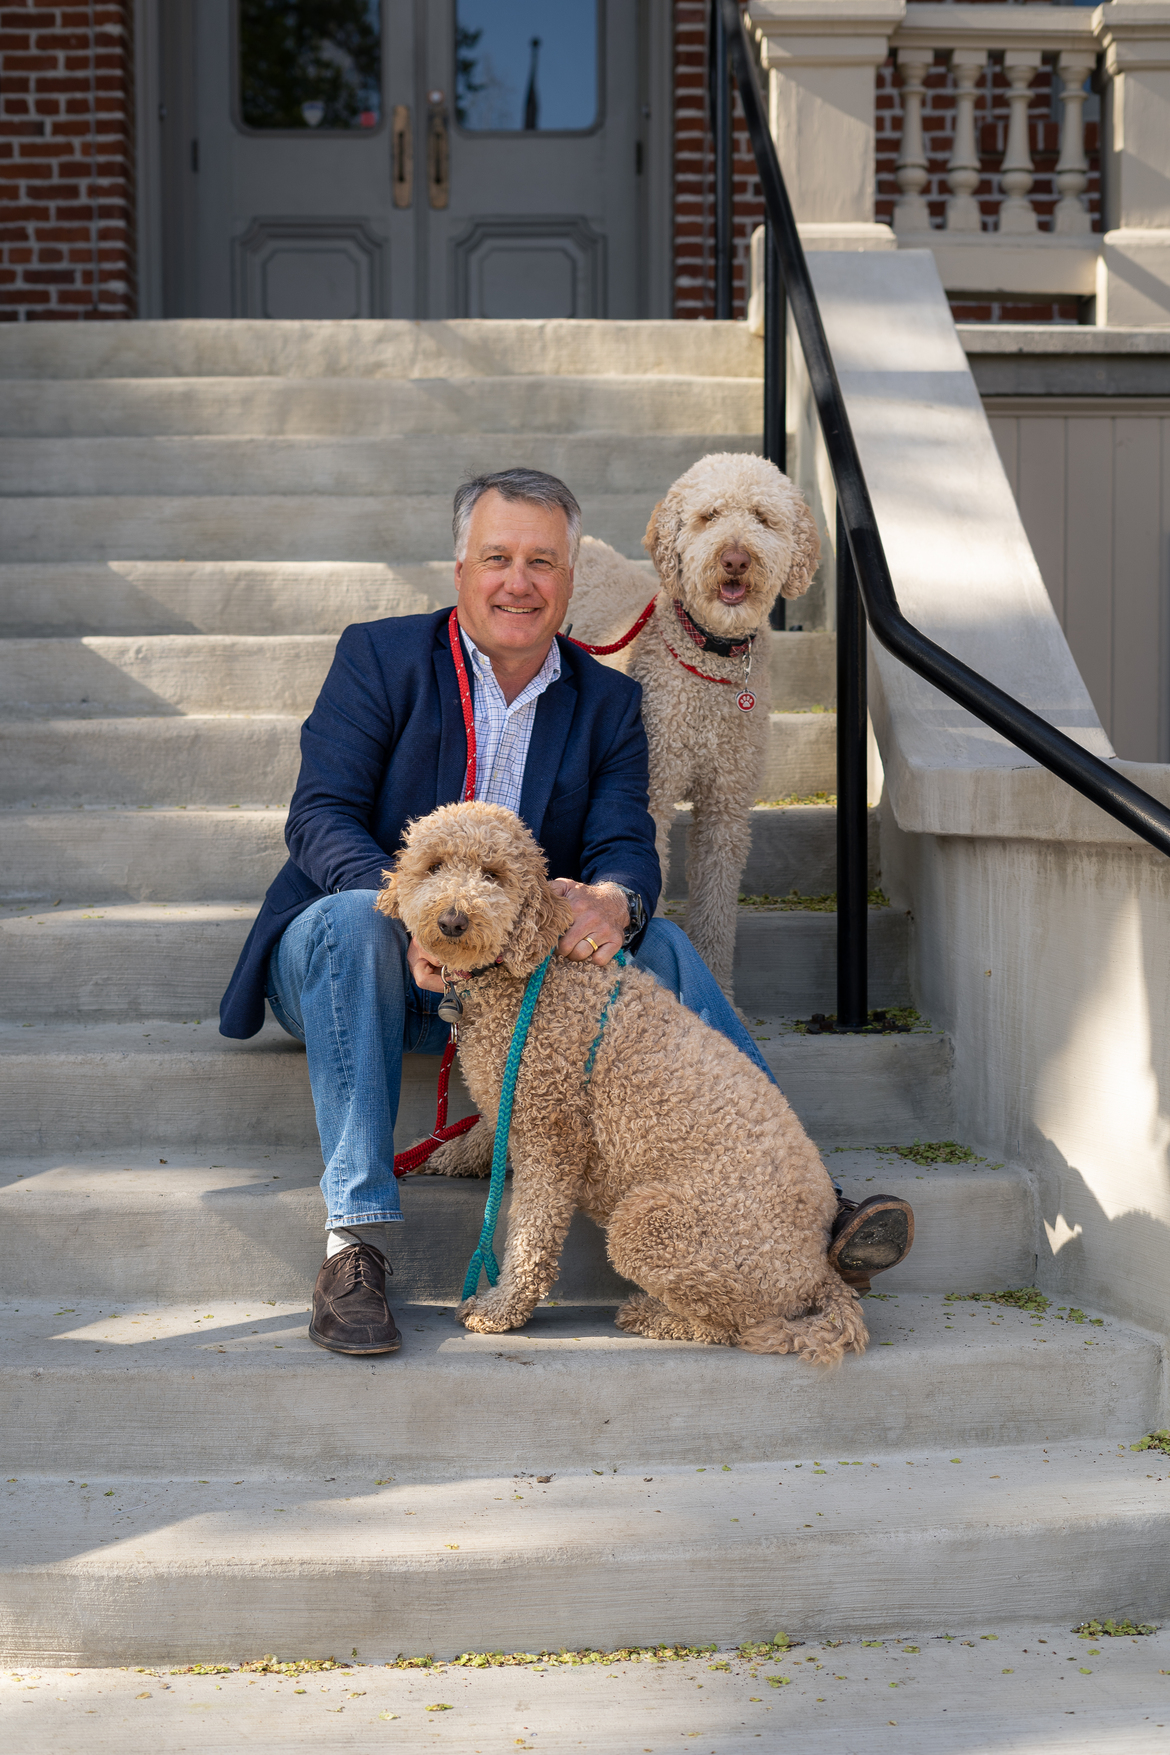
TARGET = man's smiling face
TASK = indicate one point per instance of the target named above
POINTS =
(515, 580)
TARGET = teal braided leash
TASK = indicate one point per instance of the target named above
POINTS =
(484, 1257)
(620, 960)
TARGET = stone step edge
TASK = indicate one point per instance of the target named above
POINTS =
(592, 1562)
(196, 1230)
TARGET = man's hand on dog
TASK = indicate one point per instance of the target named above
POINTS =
(600, 915)
(426, 974)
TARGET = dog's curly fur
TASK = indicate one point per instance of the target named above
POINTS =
(703, 746)
(714, 1200)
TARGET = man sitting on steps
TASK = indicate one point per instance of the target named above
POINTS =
(559, 740)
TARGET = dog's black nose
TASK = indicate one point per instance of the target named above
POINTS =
(453, 923)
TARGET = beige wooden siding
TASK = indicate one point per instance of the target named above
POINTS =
(1092, 480)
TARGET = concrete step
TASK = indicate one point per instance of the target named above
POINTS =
(804, 671)
(121, 1228)
(794, 847)
(59, 599)
(409, 465)
(384, 528)
(802, 756)
(163, 674)
(142, 855)
(391, 348)
(136, 1571)
(194, 672)
(196, 759)
(206, 853)
(624, 1704)
(380, 408)
(247, 755)
(170, 1085)
(91, 1389)
(154, 960)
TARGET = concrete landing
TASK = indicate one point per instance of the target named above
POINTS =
(103, 1569)
(234, 1384)
(971, 1693)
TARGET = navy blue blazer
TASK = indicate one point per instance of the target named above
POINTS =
(386, 743)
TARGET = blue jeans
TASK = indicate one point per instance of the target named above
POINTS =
(338, 981)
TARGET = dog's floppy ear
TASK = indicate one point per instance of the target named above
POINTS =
(387, 900)
(661, 542)
(806, 552)
(542, 918)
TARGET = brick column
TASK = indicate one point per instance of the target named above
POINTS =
(694, 177)
(66, 161)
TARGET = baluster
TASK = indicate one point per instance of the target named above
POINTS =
(963, 173)
(1072, 170)
(911, 213)
(1016, 214)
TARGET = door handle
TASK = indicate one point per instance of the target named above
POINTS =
(438, 150)
(402, 156)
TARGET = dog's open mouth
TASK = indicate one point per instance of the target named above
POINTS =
(733, 590)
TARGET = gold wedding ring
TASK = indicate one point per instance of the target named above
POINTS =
(590, 941)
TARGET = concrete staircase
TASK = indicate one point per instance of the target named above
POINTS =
(192, 512)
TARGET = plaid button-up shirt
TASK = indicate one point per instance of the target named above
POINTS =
(502, 732)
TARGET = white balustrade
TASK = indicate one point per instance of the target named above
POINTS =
(963, 172)
(911, 213)
(822, 57)
(1016, 213)
(1072, 170)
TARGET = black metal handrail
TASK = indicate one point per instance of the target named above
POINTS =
(865, 589)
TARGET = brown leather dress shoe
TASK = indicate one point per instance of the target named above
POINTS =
(870, 1237)
(350, 1313)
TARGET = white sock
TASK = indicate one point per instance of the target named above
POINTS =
(336, 1241)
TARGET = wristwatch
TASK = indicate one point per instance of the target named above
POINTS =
(637, 913)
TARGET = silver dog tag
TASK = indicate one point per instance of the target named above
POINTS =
(450, 1006)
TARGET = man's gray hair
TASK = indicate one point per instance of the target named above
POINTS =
(531, 485)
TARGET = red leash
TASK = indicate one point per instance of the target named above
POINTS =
(617, 645)
(405, 1162)
(745, 700)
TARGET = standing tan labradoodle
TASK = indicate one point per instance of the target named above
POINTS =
(731, 536)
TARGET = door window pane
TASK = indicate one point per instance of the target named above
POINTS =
(316, 64)
(526, 65)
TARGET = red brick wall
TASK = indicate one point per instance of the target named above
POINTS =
(66, 161)
(694, 171)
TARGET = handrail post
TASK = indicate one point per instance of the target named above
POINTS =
(852, 824)
(775, 355)
(721, 128)
(775, 372)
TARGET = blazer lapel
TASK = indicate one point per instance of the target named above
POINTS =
(550, 732)
(452, 765)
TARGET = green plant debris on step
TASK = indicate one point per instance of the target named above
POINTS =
(1155, 1441)
(1114, 1629)
(933, 1152)
(1022, 1298)
(794, 901)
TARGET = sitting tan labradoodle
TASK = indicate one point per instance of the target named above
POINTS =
(712, 1196)
(731, 536)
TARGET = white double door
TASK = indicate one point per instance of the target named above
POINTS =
(454, 158)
